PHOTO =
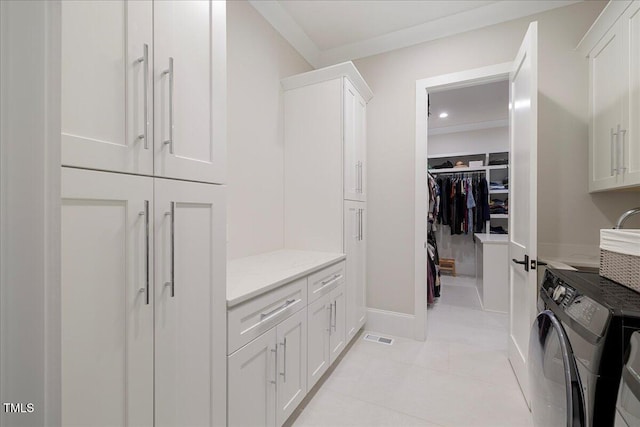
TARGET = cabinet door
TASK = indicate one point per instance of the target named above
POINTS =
(337, 322)
(360, 125)
(353, 142)
(190, 89)
(631, 140)
(292, 364)
(106, 88)
(361, 268)
(252, 383)
(606, 102)
(106, 300)
(317, 339)
(355, 247)
(190, 312)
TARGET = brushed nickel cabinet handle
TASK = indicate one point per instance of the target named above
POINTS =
(144, 59)
(169, 72)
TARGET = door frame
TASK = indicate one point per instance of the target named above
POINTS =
(471, 77)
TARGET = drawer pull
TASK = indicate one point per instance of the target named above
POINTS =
(329, 282)
(277, 310)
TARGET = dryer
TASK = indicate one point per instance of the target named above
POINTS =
(577, 347)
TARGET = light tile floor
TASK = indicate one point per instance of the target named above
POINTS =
(459, 377)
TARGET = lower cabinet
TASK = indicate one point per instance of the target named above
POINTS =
(267, 377)
(326, 329)
(143, 301)
(355, 221)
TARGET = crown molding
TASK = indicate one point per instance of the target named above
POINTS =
(288, 28)
(485, 16)
(346, 69)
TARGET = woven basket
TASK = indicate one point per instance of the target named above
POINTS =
(621, 268)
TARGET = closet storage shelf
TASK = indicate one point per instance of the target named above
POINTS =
(498, 191)
(457, 170)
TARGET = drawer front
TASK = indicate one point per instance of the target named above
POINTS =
(322, 282)
(252, 318)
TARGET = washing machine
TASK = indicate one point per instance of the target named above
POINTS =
(577, 348)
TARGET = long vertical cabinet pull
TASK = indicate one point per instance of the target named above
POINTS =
(613, 154)
(335, 315)
(145, 61)
(330, 308)
(172, 282)
(275, 365)
(622, 167)
(284, 360)
(148, 250)
(169, 72)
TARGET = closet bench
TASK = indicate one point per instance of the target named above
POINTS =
(285, 327)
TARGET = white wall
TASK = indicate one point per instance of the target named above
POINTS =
(567, 213)
(258, 57)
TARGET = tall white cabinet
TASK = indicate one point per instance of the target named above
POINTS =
(143, 214)
(325, 176)
(612, 46)
(141, 87)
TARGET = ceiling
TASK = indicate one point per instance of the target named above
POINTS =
(327, 32)
(470, 108)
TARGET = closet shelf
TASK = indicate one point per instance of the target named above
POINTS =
(460, 170)
(493, 167)
(499, 216)
(498, 191)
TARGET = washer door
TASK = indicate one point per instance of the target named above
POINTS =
(556, 394)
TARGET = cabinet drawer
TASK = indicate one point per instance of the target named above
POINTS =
(325, 280)
(252, 318)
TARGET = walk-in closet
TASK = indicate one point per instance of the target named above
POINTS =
(468, 182)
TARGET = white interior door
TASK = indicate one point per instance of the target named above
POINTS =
(106, 90)
(190, 312)
(523, 83)
(107, 306)
(189, 82)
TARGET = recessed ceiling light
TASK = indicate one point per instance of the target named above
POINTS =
(444, 115)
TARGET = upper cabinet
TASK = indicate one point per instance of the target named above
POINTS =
(144, 88)
(324, 153)
(354, 137)
(612, 46)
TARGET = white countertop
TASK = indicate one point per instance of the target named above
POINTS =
(251, 276)
(492, 239)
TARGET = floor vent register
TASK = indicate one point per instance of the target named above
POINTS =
(380, 340)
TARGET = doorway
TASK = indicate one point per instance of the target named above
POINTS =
(425, 88)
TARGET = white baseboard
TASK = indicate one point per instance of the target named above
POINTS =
(390, 323)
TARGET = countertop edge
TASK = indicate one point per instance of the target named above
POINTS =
(246, 297)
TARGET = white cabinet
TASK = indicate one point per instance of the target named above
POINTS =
(325, 174)
(106, 99)
(337, 324)
(291, 387)
(190, 84)
(107, 299)
(252, 383)
(144, 87)
(190, 303)
(326, 333)
(355, 247)
(267, 377)
(125, 336)
(613, 49)
(354, 141)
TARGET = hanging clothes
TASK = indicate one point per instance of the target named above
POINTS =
(433, 216)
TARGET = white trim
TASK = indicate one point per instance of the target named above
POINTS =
(474, 19)
(278, 17)
(609, 15)
(484, 16)
(345, 69)
(465, 78)
(390, 323)
(470, 127)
